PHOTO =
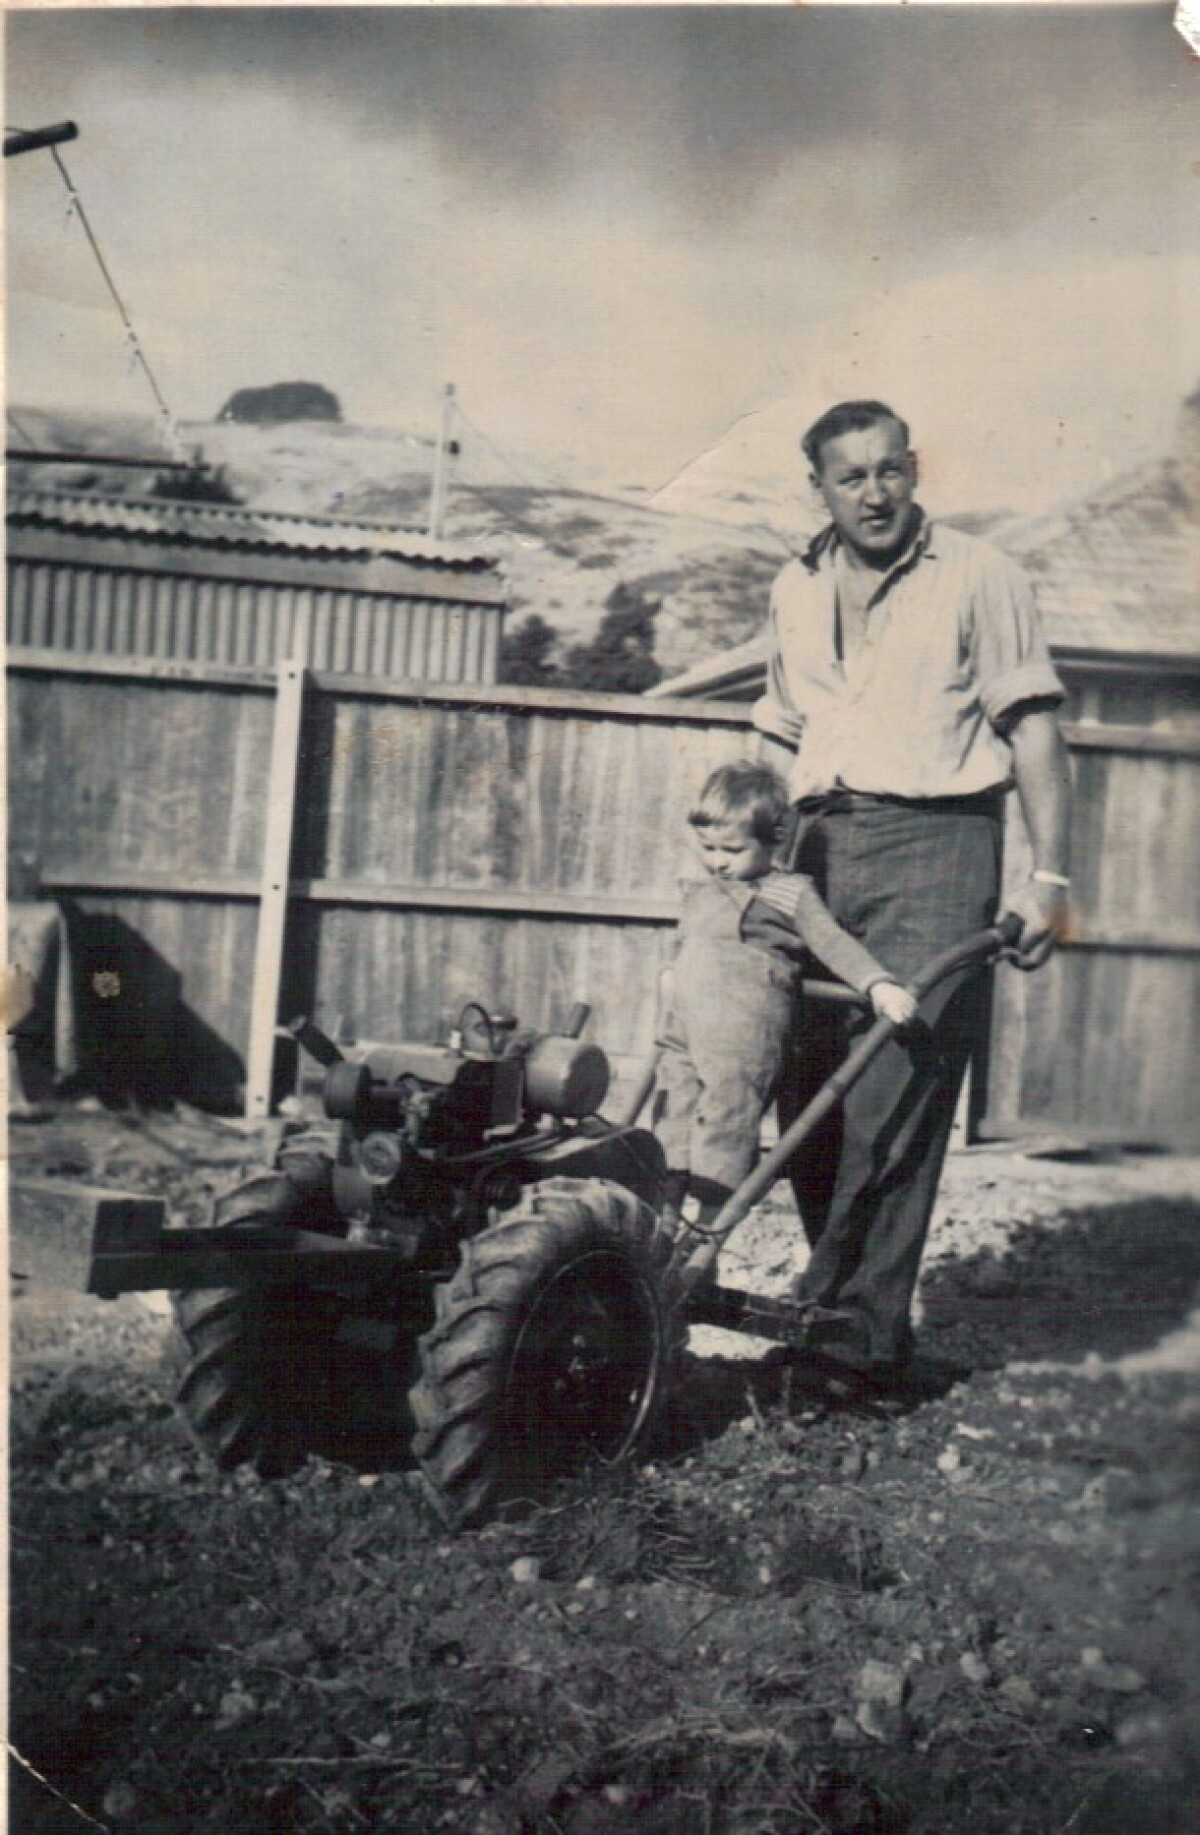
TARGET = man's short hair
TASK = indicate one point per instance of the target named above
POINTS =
(847, 417)
(748, 794)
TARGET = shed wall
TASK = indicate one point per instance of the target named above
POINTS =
(102, 608)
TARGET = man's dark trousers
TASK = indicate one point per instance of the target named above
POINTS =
(909, 879)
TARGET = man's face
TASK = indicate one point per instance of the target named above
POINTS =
(867, 479)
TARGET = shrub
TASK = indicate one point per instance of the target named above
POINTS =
(620, 658)
(282, 401)
(527, 654)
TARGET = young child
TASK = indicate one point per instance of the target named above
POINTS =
(743, 935)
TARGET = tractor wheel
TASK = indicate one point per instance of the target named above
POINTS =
(255, 1364)
(554, 1344)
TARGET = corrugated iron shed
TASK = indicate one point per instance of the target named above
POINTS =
(213, 583)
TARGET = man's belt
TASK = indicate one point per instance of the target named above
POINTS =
(841, 801)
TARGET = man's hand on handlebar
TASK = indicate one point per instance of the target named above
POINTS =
(1045, 915)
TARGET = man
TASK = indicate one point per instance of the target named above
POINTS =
(909, 670)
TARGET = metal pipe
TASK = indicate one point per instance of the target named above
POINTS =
(29, 141)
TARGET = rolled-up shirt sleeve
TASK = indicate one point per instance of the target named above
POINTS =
(1009, 652)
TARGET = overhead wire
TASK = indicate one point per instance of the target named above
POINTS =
(762, 530)
(556, 482)
(477, 490)
(647, 507)
(14, 421)
(504, 510)
(502, 456)
(137, 353)
(539, 490)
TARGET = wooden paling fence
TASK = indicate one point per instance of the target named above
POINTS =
(1105, 1040)
(371, 852)
(378, 853)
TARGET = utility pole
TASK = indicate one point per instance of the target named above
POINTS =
(446, 449)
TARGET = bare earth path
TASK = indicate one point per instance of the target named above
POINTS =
(978, 1616)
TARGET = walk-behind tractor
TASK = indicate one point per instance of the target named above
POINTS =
(467, 1229)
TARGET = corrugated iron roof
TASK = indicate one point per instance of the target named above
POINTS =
(228, 526)
(1117, 573)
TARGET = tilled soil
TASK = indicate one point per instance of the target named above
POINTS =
(977, 1614)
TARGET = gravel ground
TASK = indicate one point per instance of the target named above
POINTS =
(977, 1615)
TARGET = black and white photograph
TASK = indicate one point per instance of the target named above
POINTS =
(603, 978)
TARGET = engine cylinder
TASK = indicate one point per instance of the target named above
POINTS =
(565, 1079)
(347, 1087)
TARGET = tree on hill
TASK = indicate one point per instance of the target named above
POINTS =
(527, 654)
(282, 401)
(620, 658)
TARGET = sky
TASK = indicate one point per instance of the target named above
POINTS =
(628, 234)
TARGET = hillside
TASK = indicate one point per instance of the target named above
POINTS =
(561, 550)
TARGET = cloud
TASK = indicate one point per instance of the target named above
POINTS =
(1020, 395)
(977, 110)
(617, 230)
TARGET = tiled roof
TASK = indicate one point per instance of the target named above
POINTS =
(1117, 573)
(219, 525)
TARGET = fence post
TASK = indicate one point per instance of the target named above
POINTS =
(273, 894)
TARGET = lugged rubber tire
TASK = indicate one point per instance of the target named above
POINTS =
(554, 1345)
(255, 1366)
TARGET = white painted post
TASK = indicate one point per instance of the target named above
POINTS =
(273, 896)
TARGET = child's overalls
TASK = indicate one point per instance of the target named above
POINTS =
(723, 1037)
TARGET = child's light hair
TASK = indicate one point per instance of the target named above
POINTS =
(752, 796)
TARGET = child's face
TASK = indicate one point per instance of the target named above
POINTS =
(729, 851)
